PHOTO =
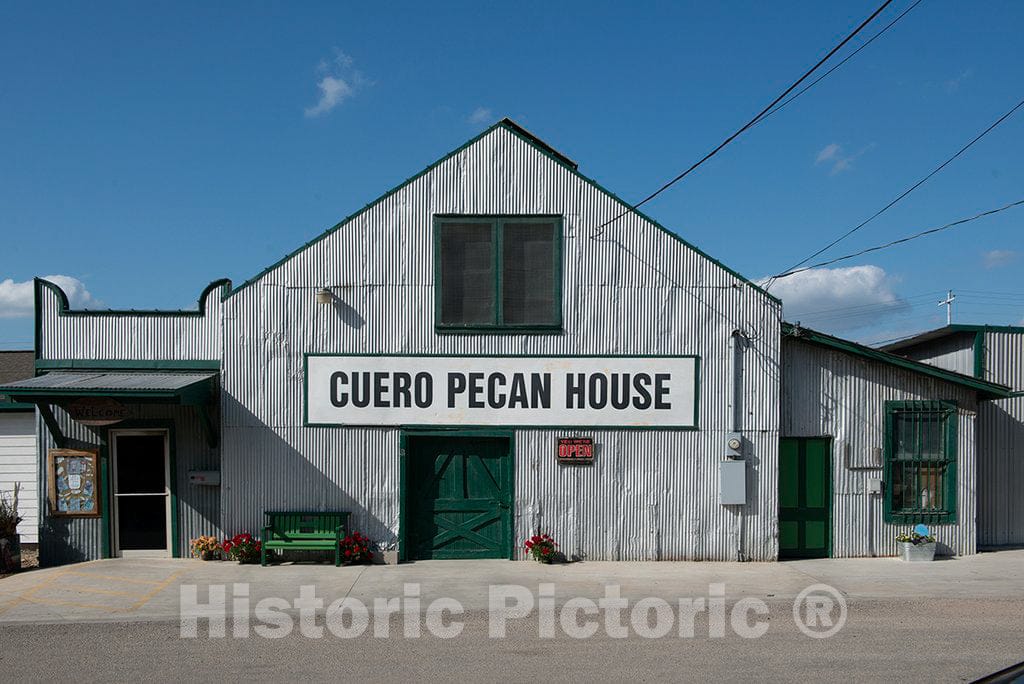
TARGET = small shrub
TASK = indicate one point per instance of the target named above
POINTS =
(243, 548)
(355, 549)
(541, 547)
(9, 517)
(915, 538)
(205, 547)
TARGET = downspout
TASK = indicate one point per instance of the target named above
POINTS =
(736, 341)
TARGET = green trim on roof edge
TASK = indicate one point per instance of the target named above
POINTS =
(541, 147)
(984, 388)
(66, 310)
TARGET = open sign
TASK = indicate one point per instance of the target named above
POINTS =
(576, 450)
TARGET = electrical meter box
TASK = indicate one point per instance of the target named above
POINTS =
(732, 482)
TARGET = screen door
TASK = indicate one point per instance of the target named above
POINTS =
(142, 495)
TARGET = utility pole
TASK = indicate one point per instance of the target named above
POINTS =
(948, 303)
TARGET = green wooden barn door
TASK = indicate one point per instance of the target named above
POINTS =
(459, 497)
(805, 497)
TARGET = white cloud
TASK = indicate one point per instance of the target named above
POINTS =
(833, 155)
(998, 257)
(839, 299)
(16, 297)
(953, 84)
(480, 115)
(828, 152)
(339, 81)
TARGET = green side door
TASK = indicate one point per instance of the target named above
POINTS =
(805, 497)
(458, 497)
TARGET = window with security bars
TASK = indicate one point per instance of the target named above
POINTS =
(920, 463)
(499, 273)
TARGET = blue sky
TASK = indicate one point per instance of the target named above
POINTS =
(147, 150)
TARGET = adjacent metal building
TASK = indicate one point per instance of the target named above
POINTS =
(420, 363)
(996, 354)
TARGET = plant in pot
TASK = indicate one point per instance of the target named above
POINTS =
(243, 548)
(355, 550)
(541, 547)
(205, 547)
(10, 541)
(917, 545)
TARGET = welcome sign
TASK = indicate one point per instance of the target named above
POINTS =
(607, 391)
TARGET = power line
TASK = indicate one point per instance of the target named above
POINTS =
(924, 296)
(841, 62)
(747, 126)
(906, 192)
(923, 233)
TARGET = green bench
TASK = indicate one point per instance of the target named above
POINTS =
(305, 530)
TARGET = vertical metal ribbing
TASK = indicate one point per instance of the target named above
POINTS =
(632, 290)
(851, 410)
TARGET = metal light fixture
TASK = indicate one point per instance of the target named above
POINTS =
(324, 296)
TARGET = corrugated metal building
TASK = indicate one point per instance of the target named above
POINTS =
(18, 449)
(996, 354)
(421, 363)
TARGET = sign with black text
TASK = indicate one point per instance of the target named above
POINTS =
(607, 391)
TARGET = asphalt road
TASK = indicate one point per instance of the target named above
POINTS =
(882, 640)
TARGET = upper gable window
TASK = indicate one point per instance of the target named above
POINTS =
(499, 273)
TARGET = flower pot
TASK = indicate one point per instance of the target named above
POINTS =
(10, 553)
(208, 555)
(917, 552)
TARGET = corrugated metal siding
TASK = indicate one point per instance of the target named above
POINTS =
(66, 540)
(954, 352)
(826, 392)
(1004, 359)
(1001, 472)
(632, 290)
(129, 336)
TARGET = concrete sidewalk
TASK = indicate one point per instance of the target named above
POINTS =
(126, 590)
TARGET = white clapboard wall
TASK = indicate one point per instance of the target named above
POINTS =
(18, 465)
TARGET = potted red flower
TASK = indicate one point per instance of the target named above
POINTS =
(355, 549)
(541, 547)
(242, 548)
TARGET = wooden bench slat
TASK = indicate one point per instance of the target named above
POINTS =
(313, 530)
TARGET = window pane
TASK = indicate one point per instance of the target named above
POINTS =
(920, 460)
(528, 274)
(467, 274)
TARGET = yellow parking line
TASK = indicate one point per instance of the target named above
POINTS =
(114, 578)
(156, 590)
(25, 595)
(52, 602)
(90, 590)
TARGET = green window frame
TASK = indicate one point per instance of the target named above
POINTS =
(495, 297)
(920, 461)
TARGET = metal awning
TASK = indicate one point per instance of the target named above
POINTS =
(190, 388)
(178, 387)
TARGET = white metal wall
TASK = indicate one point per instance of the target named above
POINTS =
(192, 335)
(68, 540)
(1004, 359)
(826, 392)
(18, 467)
(954, 352)
(1001, 445)
(633, 289)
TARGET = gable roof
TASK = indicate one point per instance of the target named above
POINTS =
(540, 146)
(947, 331)
(985, 389)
